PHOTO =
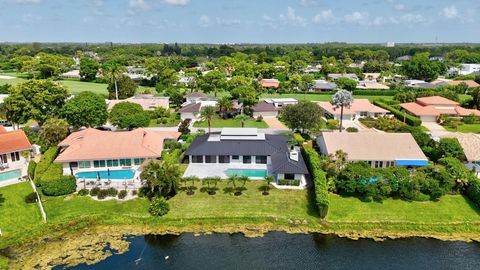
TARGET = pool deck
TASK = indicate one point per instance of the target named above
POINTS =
(219, 169)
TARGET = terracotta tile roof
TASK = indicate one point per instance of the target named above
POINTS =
(470, 83)
(420, 110)
(270, 83)
(93, 144)
(358, 105)
(373, 146)
(13, 141)
(436, 100)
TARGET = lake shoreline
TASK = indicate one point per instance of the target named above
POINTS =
(87, 245)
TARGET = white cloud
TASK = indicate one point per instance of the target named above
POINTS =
(450, 12)
(399, 7)
(292, 18)
(325, 17)
(177, 2)
(137, 5)
(205, 21)
(357, 17)
(307, 3)
(413, 18)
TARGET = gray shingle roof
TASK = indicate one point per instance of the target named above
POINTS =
(192, 107)
(273, 145)
(264, 107)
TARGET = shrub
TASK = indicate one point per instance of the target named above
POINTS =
(471, 119)
(259, 118)
(31, 198)
(319, 180)
(45, 162)
(298, 138)
(122, 194)
(112, 192)
(332, 124)
(374, 92)
(352, 129)
(60, 186)
(94, 191)
(31, 169)
(159, 207)
(83, 192)
(409, 119)
(473, 191)
(102, 194)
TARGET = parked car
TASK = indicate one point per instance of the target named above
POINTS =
(5, 123)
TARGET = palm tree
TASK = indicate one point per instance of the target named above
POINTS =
(267, 180)
(113, 70)
(161, 177)
(211, 184)
(342, 98)
(207, 114)
(224, 105)
(242, 118)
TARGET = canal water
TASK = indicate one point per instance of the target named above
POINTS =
(289, 251)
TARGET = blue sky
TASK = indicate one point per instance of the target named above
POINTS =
(234, 21)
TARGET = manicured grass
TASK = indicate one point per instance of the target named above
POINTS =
(220, 123)
(15, 214)
(449, 209)
(465, 128)
(318, 97)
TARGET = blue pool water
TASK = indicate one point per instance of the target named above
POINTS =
(114, 175)
(10, 175)
(248, 173)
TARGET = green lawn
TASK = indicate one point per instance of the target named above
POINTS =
(465, 128)
(220, 123)
(171, 123)
(318, 97)
(75, 86)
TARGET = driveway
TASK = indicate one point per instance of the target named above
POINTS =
(274, 123)
(433, 127)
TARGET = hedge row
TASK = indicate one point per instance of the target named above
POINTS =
(374, 92)
(47, 159)
(473, 191)
(62, 185)
(32, 165)
(319, 180)
(409, 119)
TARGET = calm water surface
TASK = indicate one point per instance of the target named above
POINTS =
(286, 251)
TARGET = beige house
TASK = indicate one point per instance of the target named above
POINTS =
(358, 109)
(380, 150)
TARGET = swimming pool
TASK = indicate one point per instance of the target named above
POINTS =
(246, 172)
(15, 174)
(105, 175)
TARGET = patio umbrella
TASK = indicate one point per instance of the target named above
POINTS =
(108, 171)
(98, 176)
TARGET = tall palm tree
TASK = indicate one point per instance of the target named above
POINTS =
(207, 115)
(113, 71)
(341, 99)
(242, 118)
(225, 104)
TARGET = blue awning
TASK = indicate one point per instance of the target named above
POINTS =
(411, 162)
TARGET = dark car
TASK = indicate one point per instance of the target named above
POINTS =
(5, 123)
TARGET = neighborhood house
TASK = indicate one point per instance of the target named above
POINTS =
(271, 106)
(14, 146)
(194, 104)
(246, 152)
(430, 108)
(379, 150)
(148, 102)
(270, 83)
(92, 154)
(359, 108)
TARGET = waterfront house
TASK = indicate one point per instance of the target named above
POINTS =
(92, 154)
(359, 108)
(14, 155)
(471, 144)
(430, 108)
(380, 150)
(270, 107)
(148, 102)
(246, 152)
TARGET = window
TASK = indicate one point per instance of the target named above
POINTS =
(363, 114)
(138, 161)
(125, 162)
(15, 156)
(98, 163)
(247, 159)
(3, 158)
(84, 164)
(197, 159)
(235, 157)
(378, 164)
(261, 159)
(290, 176)
(210, 159)
(224, 159)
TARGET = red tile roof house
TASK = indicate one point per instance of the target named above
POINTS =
(268, 83)
(13, 161)
(272, 106)
(430, 108)
(359, 108)
(111, 156)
